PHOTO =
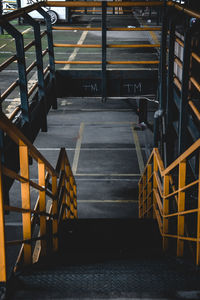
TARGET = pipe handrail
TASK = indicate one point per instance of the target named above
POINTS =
(158, 204)
(63, 198)
(99, 4)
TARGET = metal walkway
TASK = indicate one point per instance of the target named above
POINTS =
(99, 260)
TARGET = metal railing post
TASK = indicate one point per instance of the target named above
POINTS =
(25, 196)
(42, 205)
(183, 112)
(149, 189)
(3, 275)
(155, 170)
(64, 184)
(75, 199)
(68, 191)
(71, 196)
(144, 194)
(198, 221)
(163, 56)
(55, 213)
(19, 41)
(51, 54)
(165, 211)
(104, 37)
(181, 208)
(170, 78)
(40, 74)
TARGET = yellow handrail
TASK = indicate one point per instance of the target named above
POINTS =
(156, 192)
(62, 203)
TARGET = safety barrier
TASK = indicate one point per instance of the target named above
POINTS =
(57, 185)
(104, 6)
(177, 126)
(28, 91)
(171, 195)
(192, 79)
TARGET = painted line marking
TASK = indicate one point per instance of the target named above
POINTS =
(78, 149)
(74, 53)
(107, 201)
(118, 123)
(13, 223)
(114, 175)
(23, 32)
(154, 37)
(27, 30)
(101, 179)
(107, 179)
(100, 109)
(3, 46)
(138, 150)
(90, 149)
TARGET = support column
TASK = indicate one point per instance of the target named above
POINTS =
(3, 275)
(163, 57)
(40, 74)
(183, 113)
(19, 41)
(51, 55)
(104, 79)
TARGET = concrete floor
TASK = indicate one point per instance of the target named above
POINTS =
(106, 153)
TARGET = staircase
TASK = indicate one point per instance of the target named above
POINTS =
(107, 259)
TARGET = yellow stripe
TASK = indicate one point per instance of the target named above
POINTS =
(154, 37)
(138, 150)
(108, 201)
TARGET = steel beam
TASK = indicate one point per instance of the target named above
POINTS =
(163, 57)
(184, 107)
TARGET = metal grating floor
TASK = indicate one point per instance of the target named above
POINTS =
(125, 279)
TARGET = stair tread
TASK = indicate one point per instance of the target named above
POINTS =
(162, 277)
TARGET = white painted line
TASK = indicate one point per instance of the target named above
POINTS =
(104, 175)
(13, 223)
(90, 149)
(107, 179)
(27, 30)
(78, 149)
(74, 53)
(13, 104)
(112, 123)
(107, 201)
(3, 46)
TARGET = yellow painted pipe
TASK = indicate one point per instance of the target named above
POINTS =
(99, 4)
(108, 62)
(108, 29)
(108, 46)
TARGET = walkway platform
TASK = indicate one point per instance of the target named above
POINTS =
(106, 152)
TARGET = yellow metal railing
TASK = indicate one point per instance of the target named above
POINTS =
(57, 184)
(165, 194)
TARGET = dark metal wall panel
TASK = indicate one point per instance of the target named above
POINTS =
(122, 83)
